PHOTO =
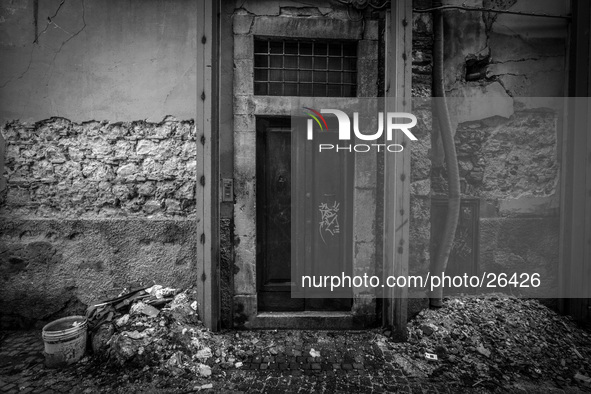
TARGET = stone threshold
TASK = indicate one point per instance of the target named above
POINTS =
(306, 320)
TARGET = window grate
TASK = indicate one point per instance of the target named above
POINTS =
(305, 68)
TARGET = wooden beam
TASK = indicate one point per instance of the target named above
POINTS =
(398, 40)
(206, 124)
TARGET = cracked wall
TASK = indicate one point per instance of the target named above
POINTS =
(98, 100)
(497, 69)
(100, 59)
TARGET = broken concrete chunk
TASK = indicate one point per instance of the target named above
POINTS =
(140, 307)
(159, 291)
(586, 380)
(428, 329)
(181, 310)
(123, 348)
(122, 320)
(204, 370)
(101, 338)
(482, 350)
(204, 354)
(135, 334)
(175, 363)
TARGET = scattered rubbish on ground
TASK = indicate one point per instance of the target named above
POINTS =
(485, 343)
(497, 340)
(155, 327)
(431, 356)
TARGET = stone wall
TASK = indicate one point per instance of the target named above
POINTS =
(100, 169)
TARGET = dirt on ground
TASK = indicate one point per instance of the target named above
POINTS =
(157, 344)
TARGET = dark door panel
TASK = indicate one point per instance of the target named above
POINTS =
(273, 174)
(304, 215)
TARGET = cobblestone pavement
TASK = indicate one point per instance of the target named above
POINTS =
(349, 362)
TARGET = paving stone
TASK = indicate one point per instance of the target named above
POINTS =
(292, 370)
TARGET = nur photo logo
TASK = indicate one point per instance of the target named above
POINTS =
(388, 122)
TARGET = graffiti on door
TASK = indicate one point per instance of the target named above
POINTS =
(329, 219)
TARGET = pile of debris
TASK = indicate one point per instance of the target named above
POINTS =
(496, 341)
(157, 328)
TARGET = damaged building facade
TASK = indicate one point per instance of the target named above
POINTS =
(109, 177)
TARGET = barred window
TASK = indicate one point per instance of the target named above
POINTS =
(305, 68)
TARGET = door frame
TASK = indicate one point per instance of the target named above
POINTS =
(246, 106)
(207, 162)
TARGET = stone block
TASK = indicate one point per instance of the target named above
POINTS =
(365, 170)
(243, 47)
(364, 215)
(363, 258)
(244, 155)
(244, 122)
(243, 77)
(242, 23)
(275, 105)
(367, 49)
(243, 105)
(146, 147)
(319, 28)
(367, 78)
(371, 30)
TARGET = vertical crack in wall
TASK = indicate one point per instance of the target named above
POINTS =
(50, 22)
(75, 34)
(49, 19)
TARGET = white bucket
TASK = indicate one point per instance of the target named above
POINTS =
(65, 341)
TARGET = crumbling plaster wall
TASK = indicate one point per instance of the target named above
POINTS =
(507, 141)
(97, 107)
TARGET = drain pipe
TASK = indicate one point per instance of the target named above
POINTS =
(451, 160)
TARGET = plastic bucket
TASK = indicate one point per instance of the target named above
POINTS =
(65, 341)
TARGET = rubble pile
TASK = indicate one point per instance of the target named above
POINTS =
(498, 340)
(155, 329)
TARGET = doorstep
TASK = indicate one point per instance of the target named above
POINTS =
(307, 320)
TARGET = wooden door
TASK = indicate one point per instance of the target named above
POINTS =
(273, 174)
(304, 215)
